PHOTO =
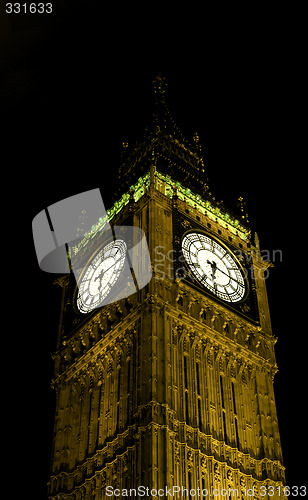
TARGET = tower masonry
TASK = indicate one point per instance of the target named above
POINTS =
(170, 387)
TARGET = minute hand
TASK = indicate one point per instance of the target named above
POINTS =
(220, 271)
(104, 271)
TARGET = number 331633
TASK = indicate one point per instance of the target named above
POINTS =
(24, 8)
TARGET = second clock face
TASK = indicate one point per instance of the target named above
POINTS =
(214, 267)
(100, 276)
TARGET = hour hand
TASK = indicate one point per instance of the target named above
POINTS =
(99, 277)
(214, 268)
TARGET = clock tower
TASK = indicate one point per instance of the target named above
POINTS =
(170, 388)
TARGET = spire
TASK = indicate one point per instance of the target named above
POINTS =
(161, 113)
(162, 117)
(164, 142)
(160, 88)
(241, 203)
(186, 155)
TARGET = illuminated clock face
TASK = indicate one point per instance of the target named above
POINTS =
(214, 266)
(100, 276)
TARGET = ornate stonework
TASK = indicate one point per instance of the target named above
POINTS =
(170, 386)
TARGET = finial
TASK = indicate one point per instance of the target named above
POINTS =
(124, 150)
(196, 138)
(242, 205)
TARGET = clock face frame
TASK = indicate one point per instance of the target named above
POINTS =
(100, 275)
(214, 266)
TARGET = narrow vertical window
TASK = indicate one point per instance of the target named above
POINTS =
(203, 484)
(237, 441)
(185, 372)
(186, 389)
(223, 409)
(224, 424)
(235, 415)
(189, 484)
(233, 397)
(99, 412)
(128, 392)
(118, 399)
(198, 378)
(119, 385)
(222, 392)
(198, 396)
(186, 406)
(128, 376)
(199, 414)
(89, 417)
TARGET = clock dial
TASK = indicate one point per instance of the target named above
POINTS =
(100, 276)
(214, 266)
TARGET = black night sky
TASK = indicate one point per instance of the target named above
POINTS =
(72, 88)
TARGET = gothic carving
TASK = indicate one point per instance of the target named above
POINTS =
(217, 476)
(168, 379)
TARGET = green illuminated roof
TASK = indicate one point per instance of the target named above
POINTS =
(165, 184)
